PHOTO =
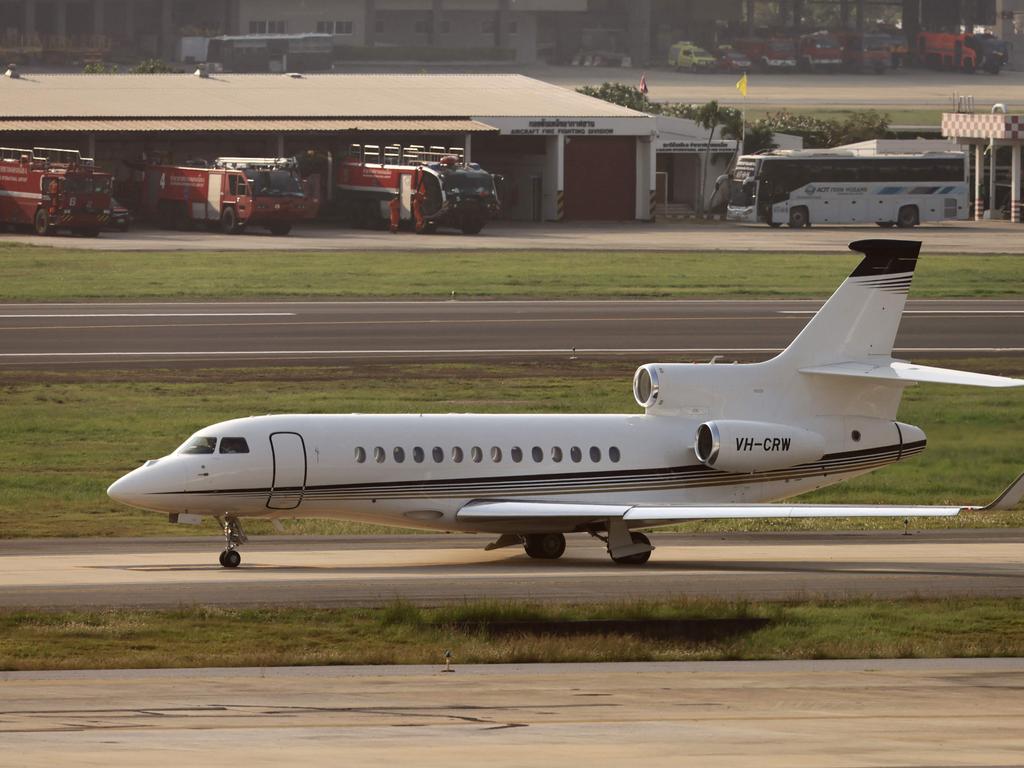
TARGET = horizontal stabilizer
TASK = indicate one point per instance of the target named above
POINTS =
(898, 372)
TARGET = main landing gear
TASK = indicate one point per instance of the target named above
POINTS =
(625, 547)
(234, 537)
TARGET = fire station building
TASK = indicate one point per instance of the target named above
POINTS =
(563, 155)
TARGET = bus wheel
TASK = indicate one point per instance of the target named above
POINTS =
(907, 217)
(41, 223)
(798, 217)
(229, 221)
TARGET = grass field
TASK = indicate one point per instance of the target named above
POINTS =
(404, 634)
(31, 273)
(66, 437)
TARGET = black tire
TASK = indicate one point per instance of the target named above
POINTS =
(222, 556)
(41, 222)
(231, 558)
(907, 217)
(544, 546)
(471, 225)
(229, 221)
(280, 230)
(89, 232)
(886, 224)
(799, 218)
(643, 557)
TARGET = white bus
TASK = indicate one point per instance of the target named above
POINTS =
(804, 187)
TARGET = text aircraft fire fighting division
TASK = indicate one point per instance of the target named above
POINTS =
(715, 441)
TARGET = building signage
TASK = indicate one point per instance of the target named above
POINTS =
(693, 145)
(571, 126)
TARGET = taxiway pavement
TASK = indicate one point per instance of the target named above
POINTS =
(59, 336)
(958, 237)
(433, 569)
(767, 714)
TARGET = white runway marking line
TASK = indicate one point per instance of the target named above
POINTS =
(978, 312)
(420, 352)
(156, 314)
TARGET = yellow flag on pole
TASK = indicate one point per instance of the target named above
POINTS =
(741, 84)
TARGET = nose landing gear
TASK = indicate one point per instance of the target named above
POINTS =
(234, 537)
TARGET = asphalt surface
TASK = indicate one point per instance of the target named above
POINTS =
(48, 336)
(821, 714)
(432, 569)
(961, 237)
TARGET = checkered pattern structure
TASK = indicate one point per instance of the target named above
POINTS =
(984, 126)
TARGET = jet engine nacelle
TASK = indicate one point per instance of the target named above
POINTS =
(755, 446)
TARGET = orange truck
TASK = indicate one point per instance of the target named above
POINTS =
(52, 189)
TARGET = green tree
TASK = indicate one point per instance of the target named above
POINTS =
(621, 94)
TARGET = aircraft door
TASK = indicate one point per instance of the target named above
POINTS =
(289, 480)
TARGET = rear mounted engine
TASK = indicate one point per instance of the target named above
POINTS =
(755, 446)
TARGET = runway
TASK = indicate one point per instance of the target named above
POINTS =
(433, 569)
(821, 714)
(58, 336)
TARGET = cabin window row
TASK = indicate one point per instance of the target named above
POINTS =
(476, 454)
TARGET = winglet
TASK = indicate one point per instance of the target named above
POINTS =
(1008, 499)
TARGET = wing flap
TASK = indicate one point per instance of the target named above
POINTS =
(896, 372)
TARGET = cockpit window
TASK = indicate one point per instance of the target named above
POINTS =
(199, 444)
(234, 445)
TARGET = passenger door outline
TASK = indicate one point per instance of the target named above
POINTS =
(284, 474)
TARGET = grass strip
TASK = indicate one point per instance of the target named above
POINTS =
(68, 436)
(402, 633)
(32, 273)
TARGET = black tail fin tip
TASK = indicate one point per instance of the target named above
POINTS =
(885, 257)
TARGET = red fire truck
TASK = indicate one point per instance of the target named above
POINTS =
(179, 196)
(429, 187)
(281, 197)
(51, 189)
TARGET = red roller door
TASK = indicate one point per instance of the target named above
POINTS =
(600, 178)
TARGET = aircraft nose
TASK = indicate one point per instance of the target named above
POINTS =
(137, 488)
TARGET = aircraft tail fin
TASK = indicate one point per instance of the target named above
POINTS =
(861, 318)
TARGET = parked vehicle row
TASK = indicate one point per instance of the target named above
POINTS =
(844, 50)
(53, 190)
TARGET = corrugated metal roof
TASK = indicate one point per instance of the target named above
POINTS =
(225, 125)
(282, 96)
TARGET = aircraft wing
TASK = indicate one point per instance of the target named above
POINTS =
(898, 372)
(525, 511)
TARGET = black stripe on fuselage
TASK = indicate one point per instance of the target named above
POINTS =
(649, 479)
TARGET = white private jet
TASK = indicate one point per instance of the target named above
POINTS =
(715, 441)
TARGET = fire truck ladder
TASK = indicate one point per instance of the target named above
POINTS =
(52, 155)
(396, 154)
(258, 163)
